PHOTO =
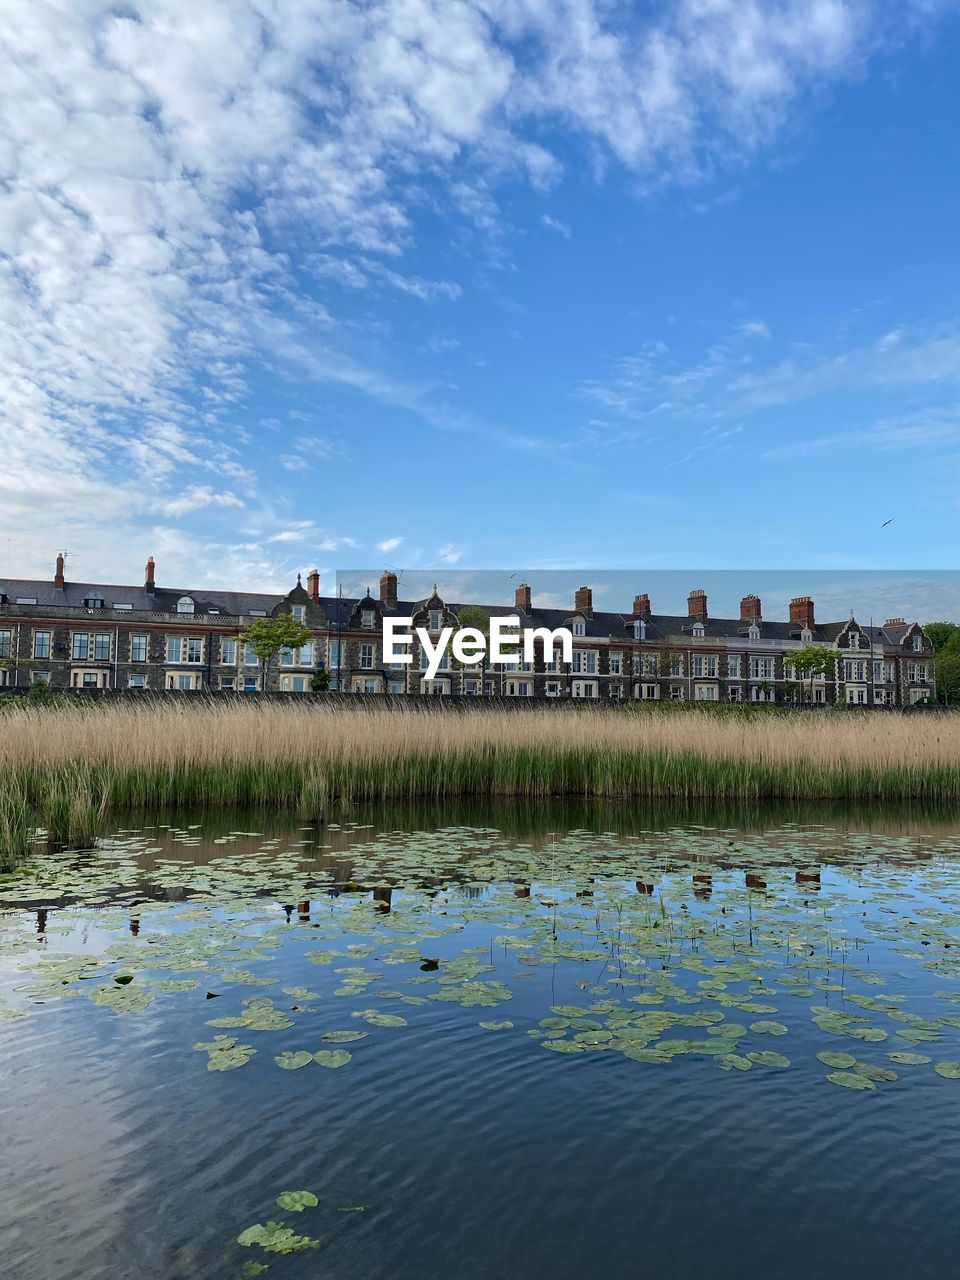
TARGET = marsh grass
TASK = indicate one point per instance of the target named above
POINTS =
(70, 768)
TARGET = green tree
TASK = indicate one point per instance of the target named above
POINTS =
(940, 633)
(811, 661)
(267, 636)
(320, 683)
(471, 615)
(946, 667)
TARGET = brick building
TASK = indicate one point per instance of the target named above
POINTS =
(74, 635)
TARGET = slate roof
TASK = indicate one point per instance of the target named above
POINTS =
(336, 613)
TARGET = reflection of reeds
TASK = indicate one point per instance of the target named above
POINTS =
(69, 769)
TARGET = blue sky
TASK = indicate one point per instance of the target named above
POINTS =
(471, 285)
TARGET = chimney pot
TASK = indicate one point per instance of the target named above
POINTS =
(750, 609)
(583, 601)
(801, 612)
(522, 598)
(388, 589)
(697, 605)
(641, 606)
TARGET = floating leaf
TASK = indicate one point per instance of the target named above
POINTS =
(832, 1059)
(949, 1070)
(766, 1058)
(344, 1037)
(332, 1057)
(297, 1201)
(496, 1026)
(850, 1080)
(293, 1060)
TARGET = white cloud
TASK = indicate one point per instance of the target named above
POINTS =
(555, 224)
(389, 544)
(169, 173)
(450, 554)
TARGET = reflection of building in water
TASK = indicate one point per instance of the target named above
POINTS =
(808, 877)
(303, 910)
(644, 888)
(753, 881)
(383, 897)
(521, 890)
(702, 887)
(41, 921)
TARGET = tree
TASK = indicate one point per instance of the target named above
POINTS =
(811, 661)
(320, 683)
(471, 615)
(940, 633)
(267, 636)
(946, 666)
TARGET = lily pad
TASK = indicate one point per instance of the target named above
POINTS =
(332, 1058)
(297, 1201)
(949, 1070)
(850, 1080)
(831, 1059)
(293, 1060)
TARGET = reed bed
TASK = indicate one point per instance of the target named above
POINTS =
(70, 767)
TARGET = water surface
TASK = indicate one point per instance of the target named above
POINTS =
(580, 1041)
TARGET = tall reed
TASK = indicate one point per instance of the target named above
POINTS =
(72, 769)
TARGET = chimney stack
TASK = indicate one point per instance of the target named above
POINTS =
(583, 602)
(750, 609)
(641, 607)
(150, 575)
(697, 605)
(58, 579)
(894, 622)
(801, 612)
(313, 585)
(522, 598)
(388, 589)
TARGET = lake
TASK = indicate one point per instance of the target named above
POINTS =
(579, 1040)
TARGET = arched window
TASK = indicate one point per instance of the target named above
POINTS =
(185, 605)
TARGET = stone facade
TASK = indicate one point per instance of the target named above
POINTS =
(86, 635)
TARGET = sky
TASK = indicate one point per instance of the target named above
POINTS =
(556, 283)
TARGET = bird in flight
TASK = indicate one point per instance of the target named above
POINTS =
(886, 522)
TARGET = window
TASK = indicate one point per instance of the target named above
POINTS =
(295, 684)
(470, 686)
(26, 599)
(136, 682)
(579, 628)
(185, 605)
(183, 680)
(761, 669)
(854, 670)
(649, 692)
(705, 693)
(367, 617)
(366, 656)
(640, 629)
(552, 689)
(698, 631)
(395, 686)
(40, 677)
(878, 673)
(585, 660)
(258, 613)
(41, 644)
(918, 644)
(705, 666)
(879, 696)
(763, 695)
(302, 657)
(101, 647)
(916, 672)
(299, 612)
(334, 654)
(124, 608)
(6, 643)
(676, 664)
(250, 658)
(616, 691)
(616, 664)
(584, 688)
(733, 666)
(856, 695)
(371, 686)
(735, 695)
(228, 683)
(93, 602)
(789, 671)
(425, 661)
(819, 695)
(184, 649)
(138, 648)
(228, 652)
(435, 619)
(88, 679)
(80, 648)
(676, 693)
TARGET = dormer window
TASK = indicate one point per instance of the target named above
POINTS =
(436, 617)
(367, 618)
(917, 643)
(93, 602)
(698, 631)
(754, 632)
(806, 635)
(185, 604)
(579, 627)
(299, 612)
(640, 629)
